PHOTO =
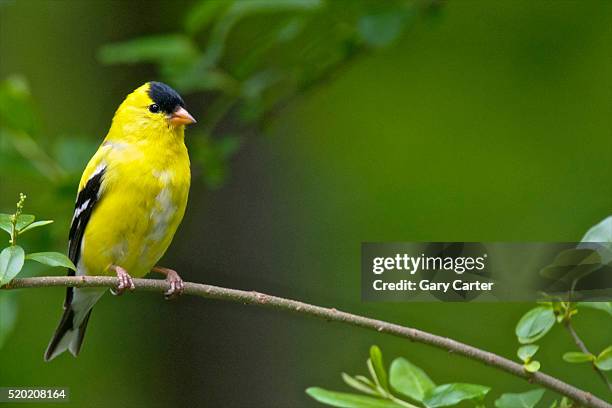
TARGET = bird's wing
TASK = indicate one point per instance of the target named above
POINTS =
(90, 193)
(87, 199)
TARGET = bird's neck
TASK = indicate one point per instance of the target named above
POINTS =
(143, 134)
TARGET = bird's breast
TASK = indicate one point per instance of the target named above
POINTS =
(166, 205)
(144, 203)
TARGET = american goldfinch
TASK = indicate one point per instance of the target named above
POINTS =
(131, 199)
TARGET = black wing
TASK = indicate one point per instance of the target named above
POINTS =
(86, 201)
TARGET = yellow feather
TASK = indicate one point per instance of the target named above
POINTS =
(143, 193)
(141, 177)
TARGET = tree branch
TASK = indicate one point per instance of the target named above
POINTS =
(329, 314)
(584, 349)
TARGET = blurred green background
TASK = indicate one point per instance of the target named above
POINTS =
(461, 121)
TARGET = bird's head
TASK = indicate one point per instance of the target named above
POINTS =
(152, 107)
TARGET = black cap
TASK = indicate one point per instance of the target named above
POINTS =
(164, 96)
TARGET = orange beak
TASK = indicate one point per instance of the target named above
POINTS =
(181, 117)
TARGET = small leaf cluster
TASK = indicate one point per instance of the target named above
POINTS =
(407, 385)
(564, 403)
(525, 354)
(539, 321)
(13, 257)
(602, 361)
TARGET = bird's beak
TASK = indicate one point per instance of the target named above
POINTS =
(181, 117)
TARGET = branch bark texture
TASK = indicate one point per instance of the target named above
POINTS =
(332, 315)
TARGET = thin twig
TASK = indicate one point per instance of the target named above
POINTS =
(329, 314)
(570, 328)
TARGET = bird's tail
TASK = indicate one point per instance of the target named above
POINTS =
(70, 332)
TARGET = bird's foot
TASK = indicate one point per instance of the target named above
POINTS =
(125, 281)
(174, 280)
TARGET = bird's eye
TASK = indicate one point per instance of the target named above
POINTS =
(154, 108)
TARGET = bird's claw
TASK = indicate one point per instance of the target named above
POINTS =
(125, 281)
(176, 285)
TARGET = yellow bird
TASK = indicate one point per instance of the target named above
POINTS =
(131, 199)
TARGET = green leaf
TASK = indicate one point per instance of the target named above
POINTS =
(11, 262)
(365, 380)
(577, 357)
(24, 220)
(8, 315)
(346, 400)
(527, 399)
(573, 264)
(532, 366)
(604, 359)
(601, 234)
(372, 372)
(247, 8)
(359, 385)
(52, 259)
(452, 394)
(526, 352)
(379, 367)
(158, 49)
(382, 28)
(253, 87)
(290, 29)
(603, 306)
(240, 9)
(577, 256)
(35, 225)
(199, 79)
(203, 13)
(565, 403)
(535, 324)
(5, 223)
(409, 379)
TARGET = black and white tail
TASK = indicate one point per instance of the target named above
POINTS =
(71, 329)
(68, 335)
